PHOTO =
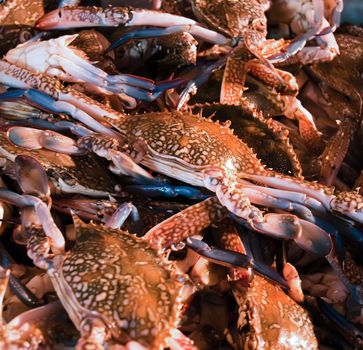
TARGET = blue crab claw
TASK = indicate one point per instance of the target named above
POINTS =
(20, 290)
(313, 239)
(307, 235)
(123, 212)
(36, 139)
(45, 102)
(61, 126)
(348, 330)
(349, 204)
(87, 16)
(43, 213)
(146, 34)
(31, 176)
(233, 259)
(167, 191)
(120, 215)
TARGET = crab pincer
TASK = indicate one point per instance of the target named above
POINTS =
(83, 16)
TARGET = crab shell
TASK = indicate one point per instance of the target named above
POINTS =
(231, 17)
(274, 320)
(184, 144)
(115, 276)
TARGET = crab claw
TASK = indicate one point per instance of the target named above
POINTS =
(42, 212)
(300, 41)
(349, 204)
(233, 259)
(36, 139)
(31, 176)
(87, 16)
(307, 235)
(45, 102)
(20, 290)
(199, 76)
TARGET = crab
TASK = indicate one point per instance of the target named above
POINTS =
(68, 58)
(204, 153)
(306, 19)
(261, 303)
(105, 280)
(337, 100)
(250, 55)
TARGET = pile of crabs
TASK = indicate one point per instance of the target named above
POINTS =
(184, 174)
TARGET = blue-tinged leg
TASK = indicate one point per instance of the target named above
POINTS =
(21, 291)
(62, 126)
(341, 229)
(348, 330)
(233, 259)
(148, 33)
(47, 103)
(167, 191)
(200, 76)
(146, 95)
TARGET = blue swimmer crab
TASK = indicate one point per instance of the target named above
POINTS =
(244, 24)
(204, 153)
(115, 286)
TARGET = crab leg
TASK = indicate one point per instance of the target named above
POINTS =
(21, 78)
(167, 191)
(335, 18)
(16, 77)
(69, 64)
(184, 224)
(311, 54)
(234, 259)
(282, 226)
(346, 203)
(348, 330)
(121, 162)
(81, 17)
(146, 34)
(27, 165)
(43, 213)
(200, 77)
(43, 101)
